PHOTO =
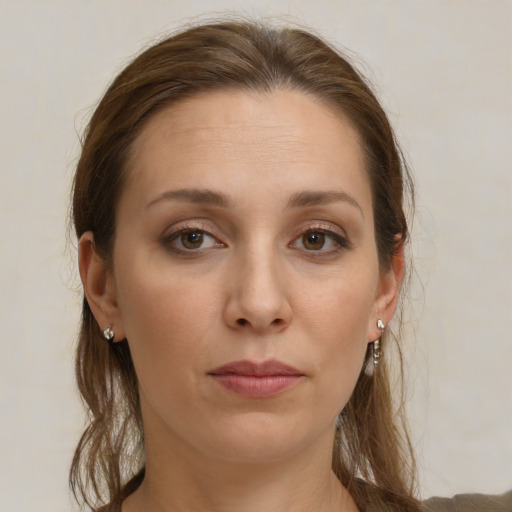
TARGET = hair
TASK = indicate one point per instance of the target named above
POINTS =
(372, 454)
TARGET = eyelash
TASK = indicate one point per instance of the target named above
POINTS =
(340, 240)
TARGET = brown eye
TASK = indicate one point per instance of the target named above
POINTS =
(314, 240)
(191, 239)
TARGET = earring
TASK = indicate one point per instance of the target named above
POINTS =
(372, 363)
(108, 333)
(376, 344)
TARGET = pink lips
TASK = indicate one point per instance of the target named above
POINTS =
(257, 380)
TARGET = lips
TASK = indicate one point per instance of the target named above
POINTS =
(257, 380)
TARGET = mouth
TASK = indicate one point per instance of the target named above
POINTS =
(257, 380)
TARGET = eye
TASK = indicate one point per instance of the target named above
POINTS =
(192, 239)
(313, 241)
(320, 240)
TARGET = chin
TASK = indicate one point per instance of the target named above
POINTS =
(263, 439)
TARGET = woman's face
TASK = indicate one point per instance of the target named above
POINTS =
(245, 273)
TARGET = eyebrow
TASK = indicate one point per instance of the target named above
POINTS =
(211, 198)
(308, 198)
(194, 195)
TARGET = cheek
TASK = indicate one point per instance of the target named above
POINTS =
(167, 318)
(337, 320)
(340, 308)
(157, 298)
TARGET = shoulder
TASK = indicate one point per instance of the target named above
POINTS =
(470, 503)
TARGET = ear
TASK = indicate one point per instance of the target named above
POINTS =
(99, 286)
(388, 293)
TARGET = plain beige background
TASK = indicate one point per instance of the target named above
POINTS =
(443, 69)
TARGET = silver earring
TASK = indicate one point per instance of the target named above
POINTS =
(373, 362)
(108, 333)
(376, 352)
(376, 344)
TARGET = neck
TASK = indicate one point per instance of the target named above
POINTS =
(177, 483)
(208, 493)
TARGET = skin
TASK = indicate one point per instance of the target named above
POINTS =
(275, 276)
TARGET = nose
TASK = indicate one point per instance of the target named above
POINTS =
(257, 297)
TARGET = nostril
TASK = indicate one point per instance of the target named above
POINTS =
(277, 322)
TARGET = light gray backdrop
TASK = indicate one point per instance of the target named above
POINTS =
(443, 68)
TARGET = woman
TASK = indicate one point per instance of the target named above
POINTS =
(239, 206)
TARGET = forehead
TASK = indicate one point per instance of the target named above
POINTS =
(223, 136)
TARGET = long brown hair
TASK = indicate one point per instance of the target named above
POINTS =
(372, 455)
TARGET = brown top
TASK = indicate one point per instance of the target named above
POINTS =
(470, 503)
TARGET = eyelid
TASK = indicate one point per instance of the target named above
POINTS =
(179, 226)
(324, 226)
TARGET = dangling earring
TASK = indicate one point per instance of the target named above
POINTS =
(372, 363)
(108, 333)
(376, 344)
